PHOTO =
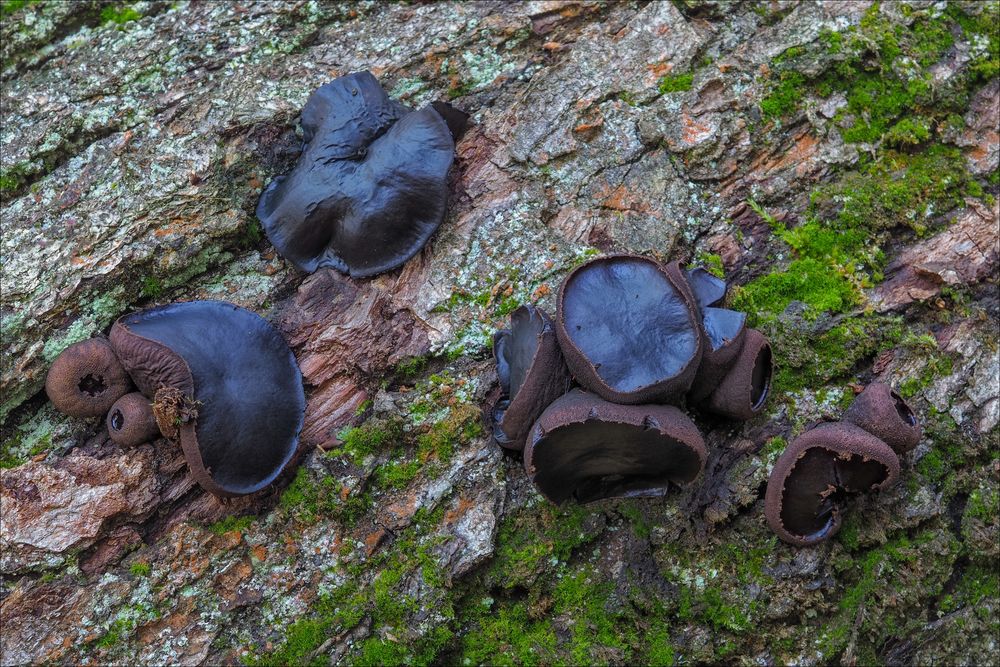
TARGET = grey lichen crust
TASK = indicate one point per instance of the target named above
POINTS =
(136, 144)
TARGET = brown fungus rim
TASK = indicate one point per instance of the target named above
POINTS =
(131, 421)
(842, 440)
(545, 380)
(642, 425)
(86, 379)
(176, 427)
(883, 413)
(743, 392)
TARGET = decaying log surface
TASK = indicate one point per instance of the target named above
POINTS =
(136, 139)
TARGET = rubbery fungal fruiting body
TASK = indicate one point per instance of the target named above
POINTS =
(223, 383)
(370, 187)
(628, 328)
(817, 473)
(532, 374)
(883, 413)
(744, 389)
(725, 332)
(131, 421)
(86, 379)
(708, 290)
(585, 448)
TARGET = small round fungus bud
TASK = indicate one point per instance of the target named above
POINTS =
(86, 379)
(131, 422)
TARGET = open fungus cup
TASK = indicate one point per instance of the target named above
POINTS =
(223, 384)
(883, 413)
(818, 473)
(629, 329)
(532, 374)
(370, 187)
(86, 379)
(585, 448)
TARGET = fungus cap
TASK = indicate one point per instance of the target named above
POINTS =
(815, 474)
(223, 383)
(628, 328)
(883, 413)
(743, 391)
(86, 379)
(370, 187)
(532, 374)
(586, 448)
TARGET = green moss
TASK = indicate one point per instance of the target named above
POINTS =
(308, 499)
(231, 523)
(8, 7)
(659, 649)
(140, 569)
(119, 14)
(711, 263)
(358, 443)
(784, 97)
(886, 581)
(151, 287)
(908, 132)
(14, 453)
(12, 178)
(673, 83)
(983, 505)
(527, 540)
(438, 443)
(584, 597)
(981, 30)
(807, 280)
(507, 636)
(411, 367)
(630, 510)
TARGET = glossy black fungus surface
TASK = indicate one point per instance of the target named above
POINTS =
(532, 374)
(629, 329)
(818, 473)
(223, 383)
(370, 187)
(709, 290)
(586, 448)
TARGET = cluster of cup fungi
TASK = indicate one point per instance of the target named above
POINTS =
(639, 338)
(590, 397)
(214, 378)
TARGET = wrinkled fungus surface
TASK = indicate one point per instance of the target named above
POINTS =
(883, 413)
(86, 379)
(370, 187)
(818, 473)
(532, 374)
(585, 448)
(223, 383)
(628, 328)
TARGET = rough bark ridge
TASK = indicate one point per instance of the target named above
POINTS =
(837, 161)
